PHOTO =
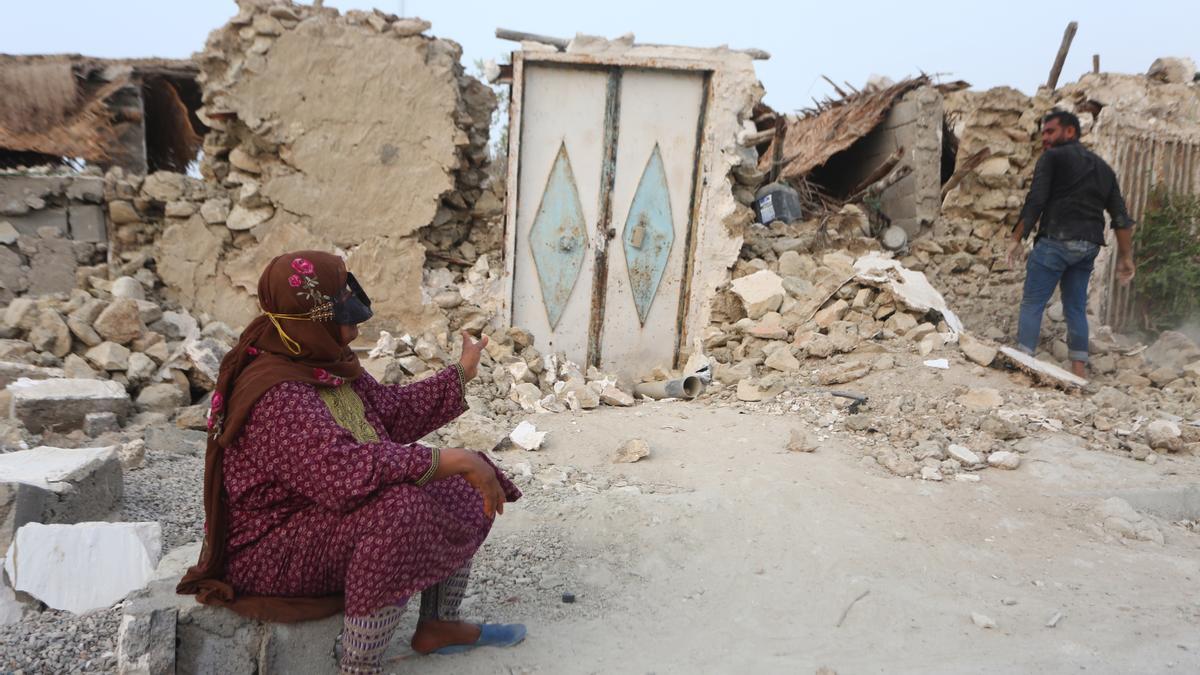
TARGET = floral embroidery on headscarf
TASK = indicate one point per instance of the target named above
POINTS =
(302, 266)
(306, 282)
(215, 414)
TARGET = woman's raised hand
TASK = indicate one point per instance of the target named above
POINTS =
(471, 351)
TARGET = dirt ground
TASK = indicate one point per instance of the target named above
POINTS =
(734, 555)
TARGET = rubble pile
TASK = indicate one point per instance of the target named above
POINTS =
(112, 357)
(515, 379)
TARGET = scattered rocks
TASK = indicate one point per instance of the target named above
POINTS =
(1122, 520)
(963, 455)
(632, 451)
(527, 437)
(841, 374)
(976, 350)
(1004, 459)
(982, 620)
(1164, 435)
(800, 441)
(984, 398)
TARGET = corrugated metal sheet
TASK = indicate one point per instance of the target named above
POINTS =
(1142, 161)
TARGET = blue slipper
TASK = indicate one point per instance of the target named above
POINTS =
(490, 635)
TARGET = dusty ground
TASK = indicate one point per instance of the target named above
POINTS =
(738, 556)
(723, 552)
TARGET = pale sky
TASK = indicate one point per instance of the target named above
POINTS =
(986, 43)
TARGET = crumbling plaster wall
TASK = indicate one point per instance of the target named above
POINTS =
(728, 169)
(346, 132)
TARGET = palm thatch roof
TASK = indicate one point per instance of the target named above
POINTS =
(63, 105)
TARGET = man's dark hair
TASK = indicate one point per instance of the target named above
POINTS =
(1066, 119)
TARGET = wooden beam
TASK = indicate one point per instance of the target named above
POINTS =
(518, 36)
(758, 138)
(1096, 63)
(1061, 57)
(880, 171)
(969, 164)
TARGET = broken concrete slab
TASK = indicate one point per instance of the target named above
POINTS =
(57, 485)
(62, 404)
(910, 288)
(1044, 372)
(83, 567)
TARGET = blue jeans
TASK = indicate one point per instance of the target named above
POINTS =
(1057, 263)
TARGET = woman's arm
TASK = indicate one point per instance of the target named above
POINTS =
(414, 410)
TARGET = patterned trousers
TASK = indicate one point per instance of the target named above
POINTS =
(365, 639)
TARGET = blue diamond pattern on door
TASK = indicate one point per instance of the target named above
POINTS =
(649, 234)
(558, 237)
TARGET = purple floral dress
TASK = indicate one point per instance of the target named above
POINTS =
(315, 512)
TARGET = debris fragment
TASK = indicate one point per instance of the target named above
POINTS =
(527, 437)
(982, 621)
(631, 451)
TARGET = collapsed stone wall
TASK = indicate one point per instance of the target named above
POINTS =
(347, 132)
(52, 232)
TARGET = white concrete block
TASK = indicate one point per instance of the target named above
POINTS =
(57, 485)
(83, 567)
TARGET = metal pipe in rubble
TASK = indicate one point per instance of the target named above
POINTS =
(685, 387)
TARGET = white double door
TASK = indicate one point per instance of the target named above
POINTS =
(605, 182)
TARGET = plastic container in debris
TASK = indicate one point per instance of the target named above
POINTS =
(777, 201)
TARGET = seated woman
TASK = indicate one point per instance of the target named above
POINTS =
(317, 498)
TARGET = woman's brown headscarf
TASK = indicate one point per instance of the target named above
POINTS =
(294, 340)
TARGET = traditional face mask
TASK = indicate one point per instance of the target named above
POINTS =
(352, 306)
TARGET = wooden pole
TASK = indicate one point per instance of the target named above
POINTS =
(1096, 63)
(1061, 57)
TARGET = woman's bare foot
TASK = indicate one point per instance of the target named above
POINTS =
(431, 635)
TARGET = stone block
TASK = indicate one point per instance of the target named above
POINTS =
(57, 485)
(11, 371)
(63, 404)
(52, 265)
(299, 647)
(87, 223)
(29, 224)
(86, 189)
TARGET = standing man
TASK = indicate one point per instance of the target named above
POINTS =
(1072, 188)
